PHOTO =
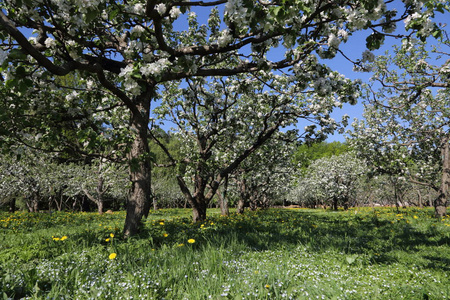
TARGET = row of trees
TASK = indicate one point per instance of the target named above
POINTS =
(328, 175)
(81, 78)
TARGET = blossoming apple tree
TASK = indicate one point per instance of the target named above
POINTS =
(407, 119)
(330, 181)
(123, 51)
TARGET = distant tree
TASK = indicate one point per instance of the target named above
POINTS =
(306, 153)
(266, 176)
(406, 128)
(330, 181)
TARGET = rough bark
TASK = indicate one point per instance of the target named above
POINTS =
(440, 204)
(138, 204)
(243, 197)
(223, 201)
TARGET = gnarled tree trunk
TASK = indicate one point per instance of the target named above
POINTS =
(138, 204)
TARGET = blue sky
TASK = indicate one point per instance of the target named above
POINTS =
(354, 47)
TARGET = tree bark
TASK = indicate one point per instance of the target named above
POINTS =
(12, 205)
(440, 204)
(199, 211)
(243, 197)
(223, 201)
(138, 205)
(240, 206)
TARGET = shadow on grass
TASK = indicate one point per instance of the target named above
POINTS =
(321, 231)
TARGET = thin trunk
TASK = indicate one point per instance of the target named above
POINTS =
(155, 202)
(243, 197)
(240, 206)
(138, 204)
(223, 201)
(12, 205)
(419, 199)
(335, 203)
(441, 201)
(100, 192)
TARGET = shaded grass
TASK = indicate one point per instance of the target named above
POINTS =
(271, 254)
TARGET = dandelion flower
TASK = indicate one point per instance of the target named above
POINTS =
(107, 240)
(112, 256)
(165, 234)
(415, 217)
(111, 235)
(267, 286)
(191, 241)
(63, 238)
(161, 223)
(56, 238)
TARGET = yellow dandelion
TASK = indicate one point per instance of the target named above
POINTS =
(113, 256)
(267, 286)
(180, 245)
(64, 238)
(56, 238)
(191, 241)
(111, 235)
(415, 217)
(161, 223)
(165, 234)
(107, 240)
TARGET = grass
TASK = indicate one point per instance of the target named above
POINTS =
(271, 254)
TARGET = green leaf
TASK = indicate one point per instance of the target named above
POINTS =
(91, 15)
(374, 41)
(276, 11)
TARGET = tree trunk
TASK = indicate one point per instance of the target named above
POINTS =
(100, 192)
(243, 197)
(223, 201)
(335, 203)
(199, 210)
(240, 206)
(138, 204)
(419, 199)
(155, 203)
(440, 204)
(12, 205)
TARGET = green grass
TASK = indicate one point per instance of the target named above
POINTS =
(271, 254)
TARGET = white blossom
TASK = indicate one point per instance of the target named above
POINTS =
(3, 56)
(175, 12)
(368, 56)
(49, 42)
(161, 8)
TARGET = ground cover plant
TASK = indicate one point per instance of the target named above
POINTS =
(362, 253)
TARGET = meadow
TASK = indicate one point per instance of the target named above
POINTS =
(362, 253)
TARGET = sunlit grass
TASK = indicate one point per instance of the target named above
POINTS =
(363, 253)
